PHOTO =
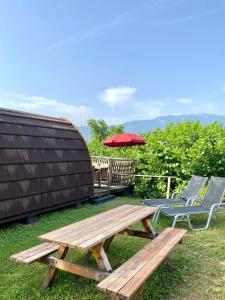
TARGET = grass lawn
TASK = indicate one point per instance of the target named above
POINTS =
(198, 270)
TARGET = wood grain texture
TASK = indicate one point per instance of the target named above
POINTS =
(33, 254)
(74, 268)
(127, 279)
(52, 271)
(97, 229)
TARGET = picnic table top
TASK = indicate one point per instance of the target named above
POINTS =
(92, 231)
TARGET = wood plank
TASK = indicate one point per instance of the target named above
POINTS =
(131, 272)
(115, 229)
(101, 258)
(102, 226)
(52, 271)
(31, 254)
(76, 226)
(133, 285)
(91, 230)
(41, 254)
(143, 254)
(74, 268)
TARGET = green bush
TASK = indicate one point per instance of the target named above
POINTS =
(179, 150)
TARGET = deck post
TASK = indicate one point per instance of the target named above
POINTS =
(168, 187)
(110, 173)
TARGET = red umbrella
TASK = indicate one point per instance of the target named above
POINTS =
(124, 140)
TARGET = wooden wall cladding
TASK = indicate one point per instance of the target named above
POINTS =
(44, 164)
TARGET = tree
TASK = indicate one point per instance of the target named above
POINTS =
(98, 128)
(99, 131)
(115, 129)
(179, 150)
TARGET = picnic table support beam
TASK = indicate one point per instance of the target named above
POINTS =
(52, 270)
(101, 258)
(108, 242)
(148, 227)
(60, 264)
(137, 233)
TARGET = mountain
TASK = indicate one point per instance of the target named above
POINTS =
(139, 126)
(161, 122)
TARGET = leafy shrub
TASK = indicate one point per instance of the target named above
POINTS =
(179, 150)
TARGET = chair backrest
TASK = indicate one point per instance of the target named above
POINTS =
(215, 191)
(194, 186)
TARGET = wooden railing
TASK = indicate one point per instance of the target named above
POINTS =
(122, 171)
(168, 187)
(116, 167)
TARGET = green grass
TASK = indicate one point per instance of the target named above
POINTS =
(197, 272)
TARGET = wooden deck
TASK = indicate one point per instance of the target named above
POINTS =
(104, 190)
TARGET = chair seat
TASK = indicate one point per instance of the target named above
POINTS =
(164, 202)
(187, 210)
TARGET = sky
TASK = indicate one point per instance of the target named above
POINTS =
(117, 60)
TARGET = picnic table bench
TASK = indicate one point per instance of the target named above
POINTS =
(94, 236)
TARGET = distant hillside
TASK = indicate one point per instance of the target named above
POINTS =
(161, 122)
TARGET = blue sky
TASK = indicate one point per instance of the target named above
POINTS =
(117, 59)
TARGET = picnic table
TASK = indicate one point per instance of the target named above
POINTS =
(94, 236)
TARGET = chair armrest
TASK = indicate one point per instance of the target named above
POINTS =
(190, 201)
(193, 200)
(216, 206)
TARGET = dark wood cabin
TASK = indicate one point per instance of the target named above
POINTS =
(44, 165)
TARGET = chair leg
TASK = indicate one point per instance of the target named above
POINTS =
(156, 216)
(200, 228)
(174, 220)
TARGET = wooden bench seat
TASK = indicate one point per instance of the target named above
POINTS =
(125, 281)
(33, 254)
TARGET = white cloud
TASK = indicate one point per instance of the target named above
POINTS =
(185, 100)
(223, 89)
(47, 106)
(117, 95)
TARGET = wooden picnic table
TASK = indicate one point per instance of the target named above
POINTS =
(94, 236)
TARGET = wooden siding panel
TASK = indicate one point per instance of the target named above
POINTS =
(44, 163)
(18, 156)
(28, 130)
(30, 142)
(40, 202)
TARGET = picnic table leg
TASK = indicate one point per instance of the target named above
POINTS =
(89, 253)
(101, 258)
(148, 227)
(108, 242)
(53, 271)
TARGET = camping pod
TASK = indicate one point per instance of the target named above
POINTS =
(44, 165)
